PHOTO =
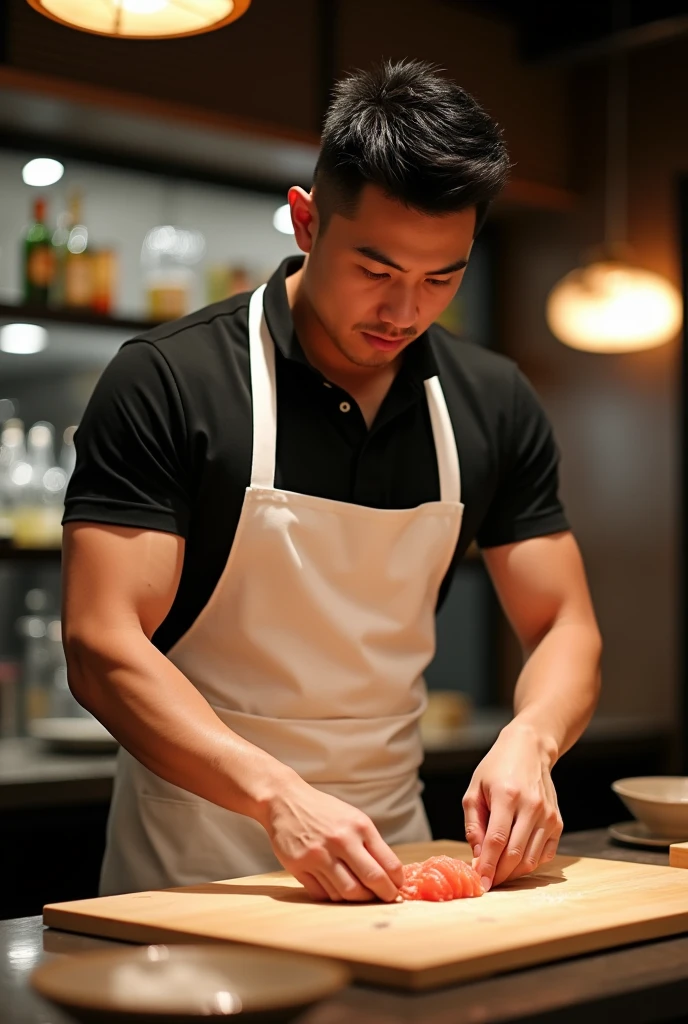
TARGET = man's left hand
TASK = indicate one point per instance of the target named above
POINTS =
(511, 812)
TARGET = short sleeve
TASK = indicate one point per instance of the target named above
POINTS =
(526, 503)
(131, 447)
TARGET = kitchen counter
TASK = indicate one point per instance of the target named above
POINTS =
(642, 983)
(59, 802)
(32, 776)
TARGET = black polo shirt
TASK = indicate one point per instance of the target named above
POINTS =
(165, 442)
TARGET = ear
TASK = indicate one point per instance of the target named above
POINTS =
(304, 217)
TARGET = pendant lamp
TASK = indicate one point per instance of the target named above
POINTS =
(142, 19)
(611, 304)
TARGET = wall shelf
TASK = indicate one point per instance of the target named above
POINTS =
(12, 554)
(22, 313)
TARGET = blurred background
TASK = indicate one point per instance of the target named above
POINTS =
(141, 179)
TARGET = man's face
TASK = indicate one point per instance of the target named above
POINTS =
(379, 280)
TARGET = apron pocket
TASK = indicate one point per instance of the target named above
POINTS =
(196, 841)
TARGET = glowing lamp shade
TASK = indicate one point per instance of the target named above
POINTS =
(613, 307)
(143, 19)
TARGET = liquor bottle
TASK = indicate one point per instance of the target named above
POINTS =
(60, 239)
(13, 469)
(39, 258)
(38, 512)
(77, 266)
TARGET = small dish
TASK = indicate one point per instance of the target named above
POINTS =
(659, 801)
(182, 984)
(636, 834)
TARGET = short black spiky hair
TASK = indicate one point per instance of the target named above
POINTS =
(416, 135)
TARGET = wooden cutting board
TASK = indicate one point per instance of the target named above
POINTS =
(575, 905)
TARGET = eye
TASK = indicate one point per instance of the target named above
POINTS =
(373, 277)
(439, 283)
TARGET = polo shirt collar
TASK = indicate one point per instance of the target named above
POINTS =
(419, 361)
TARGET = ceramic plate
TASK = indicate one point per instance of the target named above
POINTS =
(636, 833)
(182, 984)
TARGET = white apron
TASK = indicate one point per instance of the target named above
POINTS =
(312, 647)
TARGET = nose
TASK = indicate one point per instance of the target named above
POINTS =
(399, 308)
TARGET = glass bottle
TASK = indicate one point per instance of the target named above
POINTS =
(78, 266)
(39, 258)
(38, 513)
(15, 472)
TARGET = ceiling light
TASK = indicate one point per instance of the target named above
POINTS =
(608, 306)
(42, 172)
(282, 220)
(143, 19)
(23, 339)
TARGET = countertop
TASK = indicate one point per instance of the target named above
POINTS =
(638, 984)
(31, 775)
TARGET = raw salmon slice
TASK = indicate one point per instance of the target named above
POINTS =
(440, 879)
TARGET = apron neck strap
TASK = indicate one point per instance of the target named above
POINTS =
(445, 442)
(264, 394)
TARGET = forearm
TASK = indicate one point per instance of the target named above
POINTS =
(558, 688)
(153, 710)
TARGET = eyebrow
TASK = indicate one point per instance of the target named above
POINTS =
(379, 257)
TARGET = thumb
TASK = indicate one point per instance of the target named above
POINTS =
(476, 816)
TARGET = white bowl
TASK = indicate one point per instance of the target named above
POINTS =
(659, 801)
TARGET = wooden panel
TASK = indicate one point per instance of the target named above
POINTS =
(576, 905)
(259, 67)
(530, 103)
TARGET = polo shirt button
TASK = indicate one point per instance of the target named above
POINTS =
(326, 384)
(344, 407)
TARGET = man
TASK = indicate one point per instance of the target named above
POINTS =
(270, 496)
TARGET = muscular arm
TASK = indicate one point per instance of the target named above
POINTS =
(119, 584)
(511, 811)
(543, 590)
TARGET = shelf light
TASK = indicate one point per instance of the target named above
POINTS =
(281, 220)
(42, 172)
(23, 339)
(143, 19)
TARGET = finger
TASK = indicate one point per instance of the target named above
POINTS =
(518, 842)
(497, 836)
(370, 874)
(552, 843)
(476, 815)
(332, 893)
(532, 813)
(380, 852)
(312, 886)
(533, 852)
(348, 885)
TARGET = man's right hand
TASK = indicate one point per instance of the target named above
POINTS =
(332, 848)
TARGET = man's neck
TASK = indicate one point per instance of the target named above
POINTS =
(367, 384)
